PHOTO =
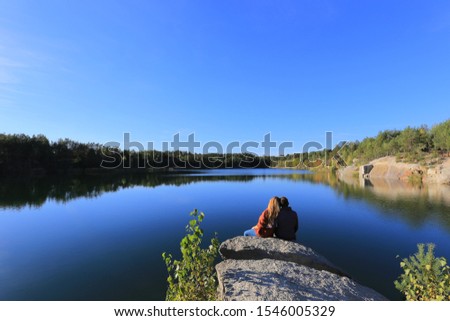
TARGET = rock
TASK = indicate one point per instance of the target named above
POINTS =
(439, 174)
(273, 280)
(255, 248)
(272, 269)
(388, 168)
(435, 172)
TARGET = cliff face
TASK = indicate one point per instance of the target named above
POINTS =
(439, 174)
(388, 168)
(270, 269)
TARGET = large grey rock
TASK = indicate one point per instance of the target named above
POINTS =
(256, 248)
(272, 280)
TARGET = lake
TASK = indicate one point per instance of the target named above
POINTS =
(100, 237)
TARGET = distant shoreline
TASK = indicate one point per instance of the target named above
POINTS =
(435, 172)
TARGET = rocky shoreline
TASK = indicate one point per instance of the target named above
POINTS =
(388, 168)
(391, 179)
(271, 269)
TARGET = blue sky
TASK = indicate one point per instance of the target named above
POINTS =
(224, 70)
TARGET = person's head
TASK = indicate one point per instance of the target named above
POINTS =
(273, 209)
(284, 202)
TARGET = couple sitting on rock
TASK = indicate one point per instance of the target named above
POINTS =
(277, 220)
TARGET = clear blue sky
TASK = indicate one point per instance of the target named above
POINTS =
(224, 70)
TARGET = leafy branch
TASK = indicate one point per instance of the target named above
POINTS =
(194, 276)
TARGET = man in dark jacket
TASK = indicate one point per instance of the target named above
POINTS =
(287, 222)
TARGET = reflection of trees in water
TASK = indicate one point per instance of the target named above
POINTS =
(416, 208)
(412, 205)
(34, 191)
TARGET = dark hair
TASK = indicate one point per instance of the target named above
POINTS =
(284, 202)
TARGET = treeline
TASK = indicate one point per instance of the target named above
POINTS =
(181, 160)
(310, 160)
(412, 144)
(22, 155)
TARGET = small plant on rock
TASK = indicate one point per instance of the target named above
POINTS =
(425, 277)
(193, 278)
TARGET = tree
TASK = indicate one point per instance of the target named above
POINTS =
(441, 136)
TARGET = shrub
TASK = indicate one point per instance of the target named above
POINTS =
(415, 179)
(425, 277)
(193, 278)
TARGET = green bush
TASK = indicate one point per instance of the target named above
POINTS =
(425, 277)
(193, 278)
(415, 179)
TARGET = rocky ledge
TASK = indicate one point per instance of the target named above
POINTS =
(270, 269)
(388, 168)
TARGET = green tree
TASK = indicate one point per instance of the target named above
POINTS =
(425, 277)
(408, 139)
(193, 278)
(441, 136)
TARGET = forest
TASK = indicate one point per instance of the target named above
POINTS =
(412, 144)
(21, 154)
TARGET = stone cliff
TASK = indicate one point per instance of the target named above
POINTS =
(388, 168)
(270, 269)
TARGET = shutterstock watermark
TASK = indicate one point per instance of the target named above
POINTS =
(192, 154)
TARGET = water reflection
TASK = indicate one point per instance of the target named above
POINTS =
(71, 247)
(35, 191)
(415, 204)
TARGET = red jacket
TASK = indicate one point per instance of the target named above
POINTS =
(263, 229)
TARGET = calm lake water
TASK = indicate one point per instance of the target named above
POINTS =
(101, 237)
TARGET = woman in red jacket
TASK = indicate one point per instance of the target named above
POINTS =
(266, 222)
